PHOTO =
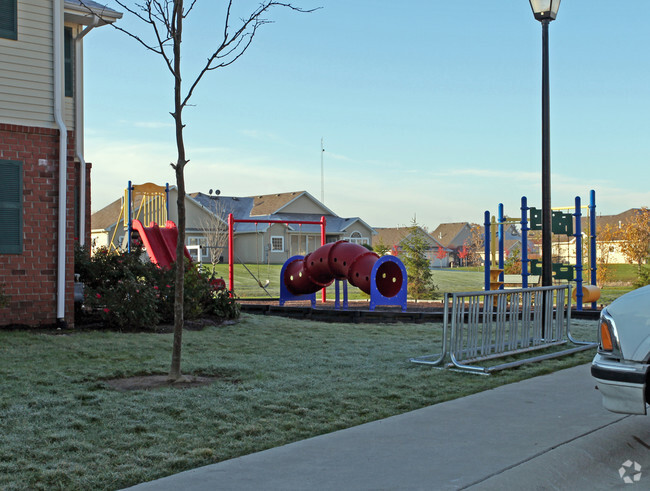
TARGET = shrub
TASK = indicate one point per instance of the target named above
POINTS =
(643, 278)
(224, 305)
(125, 292)
(512, 264)
(128, 303)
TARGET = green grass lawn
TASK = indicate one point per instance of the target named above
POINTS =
(279, 380)
(624, 273)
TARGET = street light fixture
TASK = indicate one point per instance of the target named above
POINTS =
(545, 11)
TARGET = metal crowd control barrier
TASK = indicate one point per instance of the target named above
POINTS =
(481, 326)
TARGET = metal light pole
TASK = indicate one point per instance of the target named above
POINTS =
(545, 11)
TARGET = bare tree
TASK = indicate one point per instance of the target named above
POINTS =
(214, 226)
(476, 245)
(165, 20)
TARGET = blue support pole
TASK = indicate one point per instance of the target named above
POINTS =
(592, 236)
(166, 200)
(130, 228)
(486, 244)
(578, 236)
(501, 243)
(524, 242)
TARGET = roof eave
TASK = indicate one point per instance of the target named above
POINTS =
(85, 14)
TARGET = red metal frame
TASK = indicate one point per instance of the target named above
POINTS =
(231, 240)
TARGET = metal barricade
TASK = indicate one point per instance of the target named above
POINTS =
(480, 326)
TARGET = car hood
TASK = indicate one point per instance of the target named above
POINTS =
(631, 313)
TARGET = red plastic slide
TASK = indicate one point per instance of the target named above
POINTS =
(160, 243)
(341, 260)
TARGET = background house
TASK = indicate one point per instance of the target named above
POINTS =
(44, 179)
(206, 217)
(392, 238)
(564, 247)
(457, 237)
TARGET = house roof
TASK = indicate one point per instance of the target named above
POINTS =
(84, 11)
(245, 208)
(107, 216)
(617, 222)
(269, 204)
(446, 233)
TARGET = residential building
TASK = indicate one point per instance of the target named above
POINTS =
(564, 247)
(44, 178)
(393, 239)
(265, 243)
(457, 237)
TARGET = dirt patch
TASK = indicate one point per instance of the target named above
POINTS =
(150, 382)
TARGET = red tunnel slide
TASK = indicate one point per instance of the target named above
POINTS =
(341, 260)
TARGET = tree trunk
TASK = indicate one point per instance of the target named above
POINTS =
(175, 370)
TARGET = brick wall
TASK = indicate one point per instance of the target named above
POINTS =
(30, 278)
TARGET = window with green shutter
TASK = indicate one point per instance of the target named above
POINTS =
(9, 19)
(11, 207)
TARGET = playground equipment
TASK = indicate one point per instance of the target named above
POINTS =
(160, 243)
(145, 202)
(562, 224)
(149, 203)
(383, 278)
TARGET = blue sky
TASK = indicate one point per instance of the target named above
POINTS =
(426, 108)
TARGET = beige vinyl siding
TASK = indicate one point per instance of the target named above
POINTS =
(26, 86)
(303, 205)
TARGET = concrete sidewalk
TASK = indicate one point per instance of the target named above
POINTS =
(549, 432)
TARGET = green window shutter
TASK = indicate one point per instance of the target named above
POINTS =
(9, 19)
(11, 207)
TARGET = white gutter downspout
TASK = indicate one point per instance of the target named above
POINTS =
(79, 125)
(57, 49)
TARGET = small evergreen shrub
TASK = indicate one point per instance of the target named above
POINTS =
(643, 278)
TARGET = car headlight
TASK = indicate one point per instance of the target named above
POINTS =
(608, 342)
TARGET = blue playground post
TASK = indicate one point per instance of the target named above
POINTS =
(592, 233)
(502, 241)
(578, 236)
(337, 298)
(486, 244)
(167, 199)
(524, 242)
(130, 229)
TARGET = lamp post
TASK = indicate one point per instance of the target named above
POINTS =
(545, 11)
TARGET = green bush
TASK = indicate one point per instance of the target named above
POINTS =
(643, 278)
(129, 303)
(224, 305)
(125, 292)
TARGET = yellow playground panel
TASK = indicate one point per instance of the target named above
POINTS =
(146, 202)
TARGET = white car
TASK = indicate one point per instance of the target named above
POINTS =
(621, 364)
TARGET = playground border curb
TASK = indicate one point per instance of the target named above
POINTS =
(359, 316)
